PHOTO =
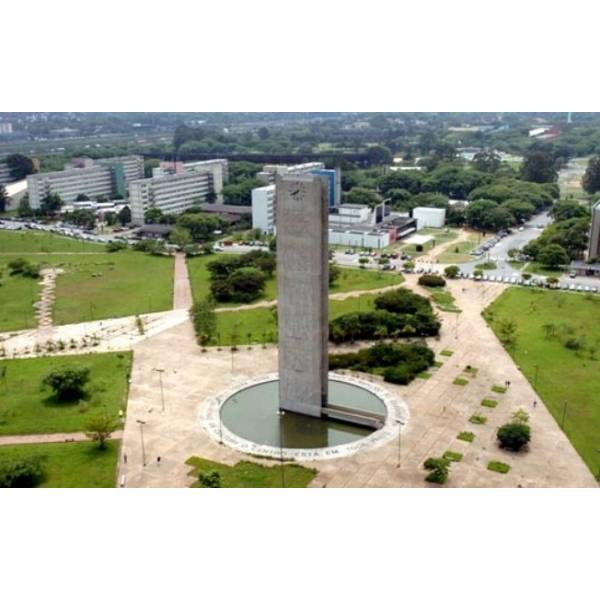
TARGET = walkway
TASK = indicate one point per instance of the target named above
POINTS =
(50, 438)
(182, 290)
(439, 410)
(45, 304)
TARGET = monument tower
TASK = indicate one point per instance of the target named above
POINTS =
(302, 282)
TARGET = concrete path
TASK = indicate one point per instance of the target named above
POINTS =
(46, 302)
(439, 410)
(182, 290)
(50, 438)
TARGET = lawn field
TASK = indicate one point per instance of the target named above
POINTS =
(568, 380)
(38, 241)
(259, 325)
(349, 280)
(26, 408)
(93, 286)
(245, 474)
(71, 465)
(459, 253)
(538, 269)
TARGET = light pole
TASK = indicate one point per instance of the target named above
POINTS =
(162, 391)
(142, 423)
(401, 424)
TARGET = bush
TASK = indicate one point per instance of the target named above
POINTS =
(400, 375)
(20, 266)
(514, 436)
(211, 479)
(68, 382)
(451, 271)
(432, 281)
(439, 469)
(115, 246)
(21, 472)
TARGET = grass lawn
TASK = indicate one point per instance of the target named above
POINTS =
(498, 467)
(17, 295)
(538, 269)
(489, 403)
(452, 456)
(245, 474)
(93, 286)
(71, 465)
(26, 408)
(38, 241)
(261, 326)
(563, 374)
(460, 381)
(444, 300)
(459, 253)
(350, 280)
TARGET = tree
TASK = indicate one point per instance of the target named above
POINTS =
(24, 211)
(180, 237)
(124, 215)
(200, 226)
(451, 271)
(82, 198)
(82, 217)
(334, 274)
(50, 205)
(100, 427)
(591, 178)
(486, 161)
(514, 436)
(153, 215)
(438, 470)
(379, 155)
(3, 199)
(246, 284)
(21, 472)
(553, 256)
(359, 195)
(204, 319)
(20, 166)
(68, 383)
(211, 479)
(568, 209)
(538, 166)
(263, 133)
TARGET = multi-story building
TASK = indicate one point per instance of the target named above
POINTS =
(5, 176)
(172, 194)
(5, 128)
(263, 209)
(218, 168)
(105, 178)
(594, 247)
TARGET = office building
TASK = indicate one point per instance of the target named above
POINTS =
(218, 168)
(594, 247)
(172, 194)
(302, 284)
(103, 178)
(5, 176)
(429, 217)
(263, 209)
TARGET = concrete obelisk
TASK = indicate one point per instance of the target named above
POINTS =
(302, 282)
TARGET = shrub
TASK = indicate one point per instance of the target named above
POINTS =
(21, 472)
(452, 456)
(439, 469)
(20, 266)
(465, 436)
(451, 271)
(460, 381)
(514, 436)
(211, 479)
(67, 382)
(478, 420)
(100, 428)
(489, 403)
(115, 246)
(400, 375)
(498, 467)
(432, 280)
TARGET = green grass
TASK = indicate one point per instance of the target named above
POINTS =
(460, 381)
(72, 464)
(459, 253)
(245, 474)
(438, 364)
(92, 287)
(424, 375)
(490, 265)
(498, 467)
(17, 295)
(261, 325)
(444, 300)
(350, 280)
(489, 403)
(538, 269)
(36, 241)
(466, 436)
(499, 389)
(561, 373)
(478, 420)
(452, 456)
(447, 352)
(26, 408)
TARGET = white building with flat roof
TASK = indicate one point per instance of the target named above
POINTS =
(133, 165)
(263, 209)
(172, 194)
(429, 217)
(269, 172)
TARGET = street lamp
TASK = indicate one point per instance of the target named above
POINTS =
(401, 424)
(142, 423)
(162, 391)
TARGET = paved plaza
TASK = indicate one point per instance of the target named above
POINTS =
(439, 410)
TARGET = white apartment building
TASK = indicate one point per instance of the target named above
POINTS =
(5, 176)
(218, 168)
(360, 238)
(270, 171)
(133, 165)
(172, 194)
(93, 182)
(263, 209)
(429, 217)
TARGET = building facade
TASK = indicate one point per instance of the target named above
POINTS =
(429, 217)
(302, 284)
(263, 209)
(172, 194)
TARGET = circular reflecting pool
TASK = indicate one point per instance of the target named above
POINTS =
(253, 414)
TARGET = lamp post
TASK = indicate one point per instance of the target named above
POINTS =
(401, 424)
(162, 391)
(142, 423)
